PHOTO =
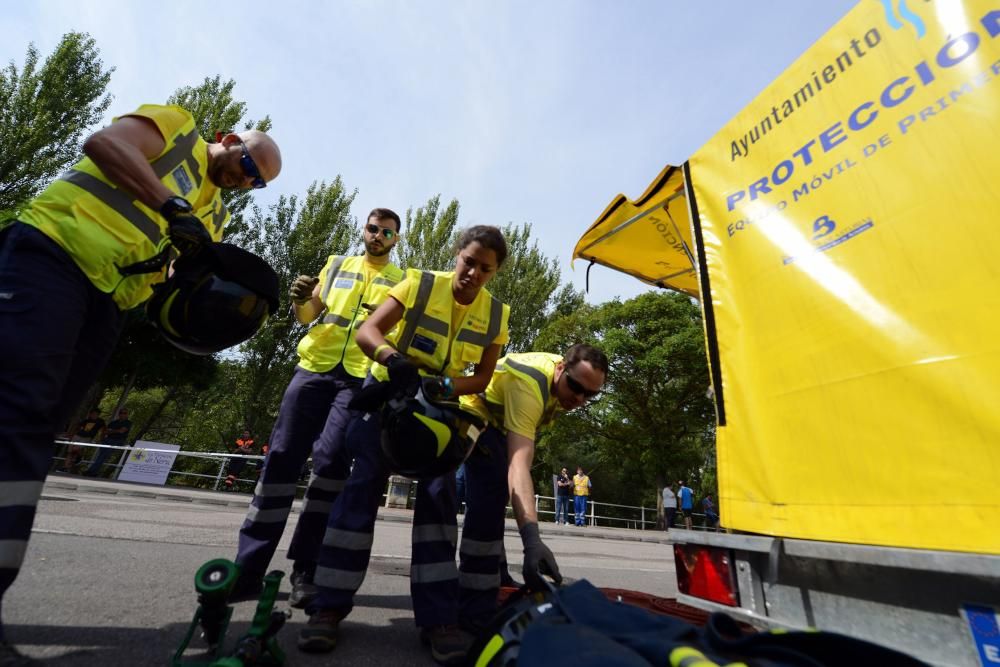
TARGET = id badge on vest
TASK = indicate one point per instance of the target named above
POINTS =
(423, 344)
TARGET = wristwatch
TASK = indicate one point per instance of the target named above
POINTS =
(175, 205)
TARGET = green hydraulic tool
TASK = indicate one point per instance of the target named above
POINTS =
(259, 646)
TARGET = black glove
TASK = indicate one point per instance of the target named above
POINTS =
(403, 375)
(538, 559)
(302, 289)
(371, 398)
(186, 231)
(437, 388)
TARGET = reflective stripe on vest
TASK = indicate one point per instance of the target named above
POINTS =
(538, 376)
(119, 200)
(326, 346)
(416, 317)
(123, 203)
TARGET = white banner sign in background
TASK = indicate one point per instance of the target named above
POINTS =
(149, 467)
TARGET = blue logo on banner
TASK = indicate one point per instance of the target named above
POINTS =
(985, 631)
(906, 13)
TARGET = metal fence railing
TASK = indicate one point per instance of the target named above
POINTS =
(613, 515)
(207, 470)
(200, 469)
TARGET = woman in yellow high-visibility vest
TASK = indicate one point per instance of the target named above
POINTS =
(434, 324)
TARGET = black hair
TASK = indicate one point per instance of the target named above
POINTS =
(583, 352)
(386, 214)
(488, 236)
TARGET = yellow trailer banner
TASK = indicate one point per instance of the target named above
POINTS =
(850, 222)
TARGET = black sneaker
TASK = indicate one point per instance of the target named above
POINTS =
(247, 587)
(304, 591)
(320, 634)
(449, 643)
(11, 657)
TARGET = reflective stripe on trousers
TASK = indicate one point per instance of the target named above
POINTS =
(45, 370)
(482, 534)
(312, 419)
(346, 549)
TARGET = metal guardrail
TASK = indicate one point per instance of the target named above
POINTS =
(223, 459)
(595, 515)
(638, 520)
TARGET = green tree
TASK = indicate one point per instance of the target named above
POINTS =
(428, 237)
(294, 238)
(527, 282)
(216, 110)
(45, 113)
(654, 420)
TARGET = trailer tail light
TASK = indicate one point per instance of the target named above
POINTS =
(706, 573)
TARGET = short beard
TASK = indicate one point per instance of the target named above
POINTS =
(374, 252)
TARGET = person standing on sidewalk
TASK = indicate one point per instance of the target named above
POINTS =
(669, 506)
(563, 486)
(244, 447)
(89, 430)
(581, 491)
(528, 391)
(314, 410)
(687, 503)
(116, 434)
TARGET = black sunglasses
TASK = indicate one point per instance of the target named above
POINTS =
(375, 229)
(578, 388)
(250, 168)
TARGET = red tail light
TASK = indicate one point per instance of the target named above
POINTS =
(706, 573)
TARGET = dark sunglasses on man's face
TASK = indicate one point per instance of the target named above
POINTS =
(250, 168)
(578, 388)
(375, 229)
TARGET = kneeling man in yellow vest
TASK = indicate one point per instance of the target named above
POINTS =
(527, 391)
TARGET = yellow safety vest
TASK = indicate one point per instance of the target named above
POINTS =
(536, 369)
(425, 335)
(345, 295)
(581, 485)
(104, 228)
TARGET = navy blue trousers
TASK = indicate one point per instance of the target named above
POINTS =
(312, 419)
(57, 332)
(347, 544)
(487, 493)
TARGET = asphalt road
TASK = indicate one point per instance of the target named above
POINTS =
(108, 577)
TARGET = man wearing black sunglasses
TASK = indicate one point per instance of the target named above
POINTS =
(527, 391)
(86, 249)
(313, 416)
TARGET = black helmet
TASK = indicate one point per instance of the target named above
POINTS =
(424, 439)
(216, 297)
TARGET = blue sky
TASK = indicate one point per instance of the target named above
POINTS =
(535, 112)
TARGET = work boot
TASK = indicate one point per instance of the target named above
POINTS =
(320, 634)
(449, 643)
(304, 590)
(11, 657)
(247, 587)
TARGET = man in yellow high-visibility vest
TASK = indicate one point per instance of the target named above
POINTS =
(314, 415)
(527, 391)
(89, 247)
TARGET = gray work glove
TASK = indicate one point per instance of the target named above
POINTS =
(302, 289)
(538, 559)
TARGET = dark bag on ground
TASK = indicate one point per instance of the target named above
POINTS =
(577, 626)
